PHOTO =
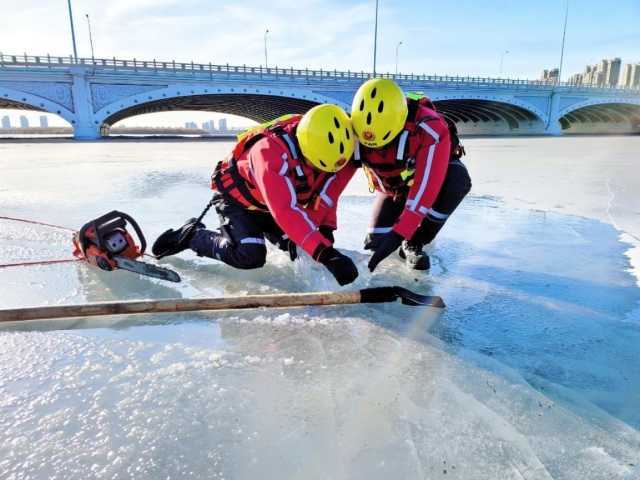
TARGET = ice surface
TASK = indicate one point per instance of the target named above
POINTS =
(532, 371)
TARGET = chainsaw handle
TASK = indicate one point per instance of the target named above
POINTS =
(136, 227)
(112, 219)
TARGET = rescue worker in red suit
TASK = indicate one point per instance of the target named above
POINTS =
(412, 159)
(282, 181)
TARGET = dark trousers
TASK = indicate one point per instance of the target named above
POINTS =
(386, 211)
(240, 241)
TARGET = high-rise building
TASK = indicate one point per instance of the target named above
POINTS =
(603, 67)
(222, 125)
(576, 79)
(6, 122)
(635, 76)
(209, 125)
(550, 76)
(44, 121)
(613, 72)
(598, 79)
(604, 73)
(625, 78)
(630, 77)
(24, 122)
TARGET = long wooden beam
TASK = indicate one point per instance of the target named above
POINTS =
(287, 300)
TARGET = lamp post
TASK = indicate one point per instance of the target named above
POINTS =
(375, 41)
(90, 36)
(502, 60)
(73, 33)
(266, 63)
(564, 35)
(397, 48)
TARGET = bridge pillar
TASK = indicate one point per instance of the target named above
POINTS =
(553, 126)
(84, 126)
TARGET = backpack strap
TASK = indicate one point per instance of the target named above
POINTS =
(289, 141)
(402, 146)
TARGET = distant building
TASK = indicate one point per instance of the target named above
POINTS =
(222, 125)
(24, 122)
(603, 74)
(44, 121)
(613, 72)
(191, 125)
(630, 76)
(635, 75)
(576, 79)
(209, 125)
(6, 122)
(550, 76)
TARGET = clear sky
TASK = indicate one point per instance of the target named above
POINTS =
(463, 37)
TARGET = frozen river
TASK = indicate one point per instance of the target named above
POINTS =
(533, 370)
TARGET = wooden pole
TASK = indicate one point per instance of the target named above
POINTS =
(286, 300)
(179, 305)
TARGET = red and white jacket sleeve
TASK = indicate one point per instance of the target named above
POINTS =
(432, 162)
(269, 161)
(327, 206)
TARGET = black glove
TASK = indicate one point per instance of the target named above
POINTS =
(340, 266)
(327, 232)
(388, 243)
(372, 240)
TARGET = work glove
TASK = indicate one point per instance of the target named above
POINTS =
(340, 266)
(387, 244)
(372, 240)
(327, 232)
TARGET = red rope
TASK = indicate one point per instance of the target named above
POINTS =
(33, 222)
(41, 262)
(45, 262)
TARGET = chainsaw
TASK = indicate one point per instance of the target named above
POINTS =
(106, 244)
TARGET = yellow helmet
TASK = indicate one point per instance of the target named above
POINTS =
(326, 137)
(379, 112)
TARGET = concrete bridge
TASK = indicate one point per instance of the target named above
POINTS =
(93, 94)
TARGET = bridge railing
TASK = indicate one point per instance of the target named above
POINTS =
(115, 65)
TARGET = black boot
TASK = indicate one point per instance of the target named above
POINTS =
(414, 257)
(175, 241)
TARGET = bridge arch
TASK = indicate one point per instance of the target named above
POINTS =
(598, 101)
(16, 99)
(478, 108)
(602, 110)
(256, 102)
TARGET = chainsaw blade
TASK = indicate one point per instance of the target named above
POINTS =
(146, 269)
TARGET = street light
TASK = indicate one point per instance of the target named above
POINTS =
(90, 36)
(502, 60)
(375, 41)
(266, 64)
(73, 33)
(564, 35)
(397, 48)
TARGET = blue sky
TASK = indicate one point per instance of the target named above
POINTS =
(448, 37)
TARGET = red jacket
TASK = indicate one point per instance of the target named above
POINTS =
(281, 182)
(423, 148)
